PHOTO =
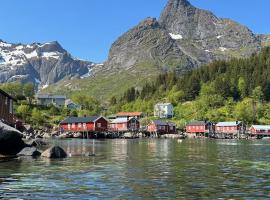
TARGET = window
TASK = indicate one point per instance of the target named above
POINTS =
(6, 100)
(73, 125)
(171, 128)
(10, 106)
(99, 125)
(69, 126)
(80, 125)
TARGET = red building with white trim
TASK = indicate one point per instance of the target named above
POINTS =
(260, 130)
(199, 128)
(161, 127)
(84, 124)
(230, 127)
(6, 108)
(124, 124)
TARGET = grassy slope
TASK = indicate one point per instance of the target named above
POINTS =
(104, 86)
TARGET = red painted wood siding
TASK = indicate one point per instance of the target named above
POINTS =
(100, 125)
(165, 129)
(259, 132)
(196, 129)
(5, 104)
(126, 126)
(228, 129)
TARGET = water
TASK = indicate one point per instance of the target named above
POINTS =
(143, 169)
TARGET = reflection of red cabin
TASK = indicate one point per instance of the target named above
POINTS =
(124, 124)
(161, 127)
(259, 130)
(6, 108)
(198, 127)
(229, 127)
(84, 124)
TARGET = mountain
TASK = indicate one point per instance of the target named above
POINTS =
(184, 37)
(42, 64)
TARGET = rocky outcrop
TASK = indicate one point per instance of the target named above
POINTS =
(10, 140)
(29, 151)
(42, 64)
(54, 152)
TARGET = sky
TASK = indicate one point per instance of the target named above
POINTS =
(87, 28)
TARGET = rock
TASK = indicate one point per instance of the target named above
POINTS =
(36, 143)
(10, 140)
(77, 135)
(29, 151)
(55, 133)
(54, 152)
(47, 136)
(64, 136)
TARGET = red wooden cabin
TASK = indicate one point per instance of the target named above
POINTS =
(84, 124)
(199, 128)
(260, 130)
(124, 124)
(6, 108)
(161, 127)
(230, 127)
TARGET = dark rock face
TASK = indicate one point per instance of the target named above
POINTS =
(29, 151)
(185, 36)
(42, 64)
(10, 140)
(54, 152)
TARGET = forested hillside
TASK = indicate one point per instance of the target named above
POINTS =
(238, 89)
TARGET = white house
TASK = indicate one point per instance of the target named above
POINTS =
(163, 110)
(46, 100)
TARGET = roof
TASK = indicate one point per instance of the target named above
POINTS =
(197, 123)
(163, 104)
(131, 114)
(229, 123)
(261, 127)
(71, 120)
(121, 120)
(48, 96)
(7, 95)
(160, 123)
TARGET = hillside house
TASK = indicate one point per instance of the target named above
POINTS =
(6, 108)
(161, 127)
(163, 110)
(71, 105)
(46, 100)
(84, 124)
(124, 124)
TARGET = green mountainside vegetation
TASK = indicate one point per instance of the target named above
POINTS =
(238, 89)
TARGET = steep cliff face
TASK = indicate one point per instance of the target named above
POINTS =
(42, 64)
(147, 42)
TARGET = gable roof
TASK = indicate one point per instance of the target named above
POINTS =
(236, 123)
(160, 123)
(122, 120)
(7, 95)
(48, 96)
(130, 114)
(71, 120)
(261, 127)
(198, 123)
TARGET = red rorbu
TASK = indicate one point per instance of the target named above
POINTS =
(84, 124)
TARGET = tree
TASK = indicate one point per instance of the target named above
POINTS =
(242, 86)
(257, 94)
(23, 111)
(29, 92)
(37, 117)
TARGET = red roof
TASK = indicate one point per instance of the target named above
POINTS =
(130, 114)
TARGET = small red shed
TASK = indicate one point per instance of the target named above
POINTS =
(260, 130)
(230, 127)
(124, 124)
(84, 124)
(199, 128)
(161, 127)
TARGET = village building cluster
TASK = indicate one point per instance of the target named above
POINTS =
(131, 121)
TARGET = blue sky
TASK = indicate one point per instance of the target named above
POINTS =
(87, 28)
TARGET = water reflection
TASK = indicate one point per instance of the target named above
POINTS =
(143, 169)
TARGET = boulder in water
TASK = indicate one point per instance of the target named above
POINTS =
(29, 151)
(54, 152)
(11, 141)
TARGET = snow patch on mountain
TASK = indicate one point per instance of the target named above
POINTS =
(176, 36)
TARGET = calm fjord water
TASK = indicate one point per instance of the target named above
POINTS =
(143, 169)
